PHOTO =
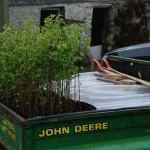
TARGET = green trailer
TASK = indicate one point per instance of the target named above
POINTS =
(120, 121)
(113, 130)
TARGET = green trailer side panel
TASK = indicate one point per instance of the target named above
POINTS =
(10, 133)
(117, 130)
(73, 143)
(140, 143)
(93, 130)
(27, 139)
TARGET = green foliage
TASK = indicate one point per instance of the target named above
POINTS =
(32, 56)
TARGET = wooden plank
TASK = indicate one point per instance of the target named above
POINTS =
(108, 80)
(99, 74)
(115, 77)
(129, 77)
(127, 82)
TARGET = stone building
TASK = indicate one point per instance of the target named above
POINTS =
(110, 23)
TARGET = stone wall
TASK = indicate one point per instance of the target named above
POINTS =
(74, 10)
(50, 2)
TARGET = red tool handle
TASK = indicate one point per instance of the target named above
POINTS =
(100, 68)
(105, 61)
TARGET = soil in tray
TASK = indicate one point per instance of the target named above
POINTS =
(2, 147)
(54, 107)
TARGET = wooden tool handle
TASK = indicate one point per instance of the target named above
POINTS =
(130, 77)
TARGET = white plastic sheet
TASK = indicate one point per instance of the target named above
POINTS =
(108, 96)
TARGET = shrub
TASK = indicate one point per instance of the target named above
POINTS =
(38, 61)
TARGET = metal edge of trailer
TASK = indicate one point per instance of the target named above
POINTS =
(12, 114)
(112, 57)
(143, 62)
(69, 116)
(86, 115)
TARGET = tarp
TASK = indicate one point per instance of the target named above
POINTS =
(108, 96)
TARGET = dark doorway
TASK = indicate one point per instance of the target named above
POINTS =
(51, 11)
(97, 25)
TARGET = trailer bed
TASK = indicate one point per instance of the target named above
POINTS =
(120, 121)
(106, 96)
